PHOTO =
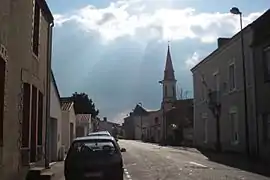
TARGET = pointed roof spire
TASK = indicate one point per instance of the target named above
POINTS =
(169, 71)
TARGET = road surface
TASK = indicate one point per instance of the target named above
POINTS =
(145, 161)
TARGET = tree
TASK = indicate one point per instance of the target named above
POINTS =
(84, 105)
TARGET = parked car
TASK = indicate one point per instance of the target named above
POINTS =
(99, 133)
(102, 133)
(94, 157)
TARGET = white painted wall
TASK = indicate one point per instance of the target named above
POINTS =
(55, 112)
(65, 129)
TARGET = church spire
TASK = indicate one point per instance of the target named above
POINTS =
(169, 71)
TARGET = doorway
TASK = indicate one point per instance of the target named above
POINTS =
(53, 139)
(33, 147)
(2, 94)
(71, 130)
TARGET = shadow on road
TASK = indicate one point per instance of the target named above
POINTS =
(238, 161)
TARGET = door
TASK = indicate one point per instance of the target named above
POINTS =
(53, 139)
(71, 130)
(33, 144)
(2, 93)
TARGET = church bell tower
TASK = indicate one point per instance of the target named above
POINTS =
(168, 83)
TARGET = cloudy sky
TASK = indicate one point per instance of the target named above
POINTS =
(115, 50)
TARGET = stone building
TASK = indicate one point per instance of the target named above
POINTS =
(222, 73)
(25, 60)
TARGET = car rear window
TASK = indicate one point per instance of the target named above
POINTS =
(93, 147)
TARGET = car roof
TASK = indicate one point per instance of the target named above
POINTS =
(110, 138)
(100, 132)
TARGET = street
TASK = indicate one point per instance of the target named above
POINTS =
(152, 162)
(145, 161)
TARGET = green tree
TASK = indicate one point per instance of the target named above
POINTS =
(83, 104)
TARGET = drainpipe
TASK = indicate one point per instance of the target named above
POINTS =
(48, 91)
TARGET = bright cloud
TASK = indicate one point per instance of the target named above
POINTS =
(193, 60)
(128, 18)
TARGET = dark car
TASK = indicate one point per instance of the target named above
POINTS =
(102, 133)
(94, 157)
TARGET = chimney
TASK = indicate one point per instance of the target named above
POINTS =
(222, 41)
(105, 119)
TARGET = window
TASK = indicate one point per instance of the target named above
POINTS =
(156, 120)
(266, 126)
(35, 43)
(266, 59)
(173, 90)
(166, 91)
(232, 77)
(205, 128)
(26, 115)
(234, 128)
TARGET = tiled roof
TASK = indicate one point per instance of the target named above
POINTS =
(66, 106)
(66, 103)
(80, 118)
(139, 110)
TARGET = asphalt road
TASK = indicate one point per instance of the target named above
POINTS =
(144, 161)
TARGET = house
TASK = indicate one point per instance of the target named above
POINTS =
(221, 72)
(68, 122)
(106, 125)
(83, 124)
(180, 122)
(25, 64)
(128, 127)
(55, 124)
(261, 83)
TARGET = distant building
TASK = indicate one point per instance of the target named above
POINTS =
(83, 125)
(222, 72)
(68, 122)
(105, 125)
(180, 122)
(155, 125)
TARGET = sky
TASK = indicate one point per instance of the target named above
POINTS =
(115, 50)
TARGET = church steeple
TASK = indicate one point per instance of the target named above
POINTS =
(169, 81)
(169, 71)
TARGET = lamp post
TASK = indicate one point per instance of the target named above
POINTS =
(236, 11)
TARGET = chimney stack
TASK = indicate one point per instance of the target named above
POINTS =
(105, 119)
(222, 41)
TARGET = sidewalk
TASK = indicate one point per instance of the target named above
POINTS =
(239, 161)
(58, 170)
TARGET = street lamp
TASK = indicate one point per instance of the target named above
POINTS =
(236, 11)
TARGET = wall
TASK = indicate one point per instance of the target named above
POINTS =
(72, 119)
(55, 112)
(65, 129)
